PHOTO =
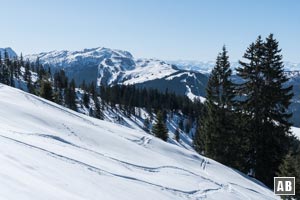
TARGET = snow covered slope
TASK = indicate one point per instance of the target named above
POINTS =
(50, 152)
(204, 67)
(116, 71)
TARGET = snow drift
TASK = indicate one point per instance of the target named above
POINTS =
(50, 152)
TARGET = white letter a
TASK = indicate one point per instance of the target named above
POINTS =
(280, 186)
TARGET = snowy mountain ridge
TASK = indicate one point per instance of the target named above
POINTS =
(111, 67)
(65, 58)
(50, 151)
(206, 66)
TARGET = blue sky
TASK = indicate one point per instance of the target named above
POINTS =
(165, 29)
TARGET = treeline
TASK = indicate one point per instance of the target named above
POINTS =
(129, 97)
(9, 69)
(246, 125)
(60, 90)
(38, 80)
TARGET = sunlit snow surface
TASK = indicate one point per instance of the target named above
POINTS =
(296, 132)
(49, 152)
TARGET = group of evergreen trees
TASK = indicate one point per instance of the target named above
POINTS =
(9, 68)
(38, 80)
(246, 125)
(64, 93)
(290, 167)
(129, 97)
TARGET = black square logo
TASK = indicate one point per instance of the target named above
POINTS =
(284, 185)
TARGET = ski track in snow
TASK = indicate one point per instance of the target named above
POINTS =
(105, 172)
(77, 134)
(196, 193)
(145, 140)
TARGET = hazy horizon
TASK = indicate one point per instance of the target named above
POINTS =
(167, 30)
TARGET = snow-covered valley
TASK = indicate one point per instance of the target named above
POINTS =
(50, 152)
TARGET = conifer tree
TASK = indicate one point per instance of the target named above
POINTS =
(1, 70)
(46, 90)
(27, 78)
(159, 129)
(251, 72)
(92, 90)
(11, 74)
(57, 96)
(264, 101)
(217, 127)
(86, 99)
(27, 72)
(5, 71)
(5, 74)
(70, 96)
(98, 111)
(21, 60)
(6, 58)
(17, 68)
(177, 136)
(290, 167)
(147, 125)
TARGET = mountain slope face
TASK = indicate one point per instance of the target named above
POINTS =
(10, 51)
(110, 67)
(50, 152)
(295, 105)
